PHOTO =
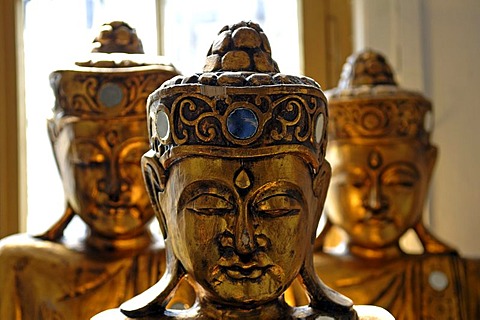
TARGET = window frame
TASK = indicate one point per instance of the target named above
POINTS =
(12, 123)
(325, 28)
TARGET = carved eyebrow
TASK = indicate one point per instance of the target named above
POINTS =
(400, 168)
(86, 150)
(134, 146)
(292, 195)
(345, 172)
(281, 188)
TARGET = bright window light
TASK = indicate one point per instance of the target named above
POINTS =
(58, 32)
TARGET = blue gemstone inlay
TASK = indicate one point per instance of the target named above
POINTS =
(242, 123)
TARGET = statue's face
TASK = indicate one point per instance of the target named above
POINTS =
(99, 163)
(241, 228)
(377, 192)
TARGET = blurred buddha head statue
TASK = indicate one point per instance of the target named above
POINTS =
(98, 134)
(381, 155)
(237, 177)
(382, 161)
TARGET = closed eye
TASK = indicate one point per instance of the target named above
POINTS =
(210, 204)
(355, 177)
(401, 175)
(85, 154)
(278, 205)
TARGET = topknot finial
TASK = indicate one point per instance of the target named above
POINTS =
(241, 47)
(117, 36)
(368, 104)
(239, 101)
(113, 81)
(367, 67)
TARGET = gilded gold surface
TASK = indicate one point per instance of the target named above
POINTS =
(237, 177)
(382, 161)
(98, 134)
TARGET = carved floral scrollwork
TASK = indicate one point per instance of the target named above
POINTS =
(293, 113)
(399, 118)
(198, 119)
(78, 94)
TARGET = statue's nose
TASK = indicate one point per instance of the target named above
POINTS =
(113, 184)
(244, 233)
(375, 200)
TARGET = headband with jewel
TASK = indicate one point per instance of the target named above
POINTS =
(368, 104)
(114, 81)
(240, 106)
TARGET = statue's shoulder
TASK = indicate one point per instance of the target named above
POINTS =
(19, 245)
(364, 313)
(367, 312)
(24, 247)
(116, 314)
(111, 314)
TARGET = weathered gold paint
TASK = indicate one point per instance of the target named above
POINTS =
(98, 134)
(238, 201)
(382, 162)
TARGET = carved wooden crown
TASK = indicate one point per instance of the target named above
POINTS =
(240, 101)
(368, 104)
(113, 81)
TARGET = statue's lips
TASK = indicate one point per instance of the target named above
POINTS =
(239, 272)
(377, 221)
(114, 210)
(254, 268)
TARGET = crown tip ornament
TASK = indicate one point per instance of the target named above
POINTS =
(368, 104)
(241, 47)
(367, 67)
(113, 81)
(117, 36)
(240, 105)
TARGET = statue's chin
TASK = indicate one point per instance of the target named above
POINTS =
(112, 222)
(254, 287)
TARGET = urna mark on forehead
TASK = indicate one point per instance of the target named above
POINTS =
(239, 107)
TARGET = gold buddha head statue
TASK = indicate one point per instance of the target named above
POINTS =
(237, 176)
(98, 133)
(381, 155)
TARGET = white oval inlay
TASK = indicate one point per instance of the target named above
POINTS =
(319, 128)
(438, 280)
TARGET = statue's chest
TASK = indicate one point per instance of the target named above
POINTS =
(70, 288)
(427, 287)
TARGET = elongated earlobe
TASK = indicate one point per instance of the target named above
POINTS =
(320, 188)
(53, 133)
(322, 180)
(321, 296)
(155, 179)
(156, 298)
(432, 154)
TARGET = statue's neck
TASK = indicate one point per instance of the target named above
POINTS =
(390, 252)
(276, 309)
(346, 247)
(101, 243)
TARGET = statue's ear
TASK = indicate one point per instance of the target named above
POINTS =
(155, 180)
(430, 242)
(155, 299)
(432, 154)
(321, 182)
(53, 136)
(321, 296)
